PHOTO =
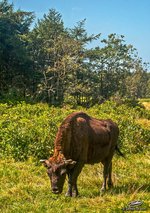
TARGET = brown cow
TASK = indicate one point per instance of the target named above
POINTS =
(81, 140)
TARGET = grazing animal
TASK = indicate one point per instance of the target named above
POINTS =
(81, 140)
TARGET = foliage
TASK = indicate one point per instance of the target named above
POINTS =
(133, 137)
(58, 55)
(25, 187)
(29, 130)
(137, 84)
(51, 63)
(15, 64)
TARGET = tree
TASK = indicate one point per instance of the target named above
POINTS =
(58, 56)
(82, 87)
(46, 53)
(112, 63)
(137, 82)
(15, 65)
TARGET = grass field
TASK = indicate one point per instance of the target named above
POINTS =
(25, 187)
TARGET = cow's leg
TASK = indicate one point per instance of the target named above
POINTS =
(72, 180)
(105, 174)
(110, 183)
(69, 192)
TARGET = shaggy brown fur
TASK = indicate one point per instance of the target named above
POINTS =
(81, 140)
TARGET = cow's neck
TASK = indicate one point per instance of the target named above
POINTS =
(58, 154)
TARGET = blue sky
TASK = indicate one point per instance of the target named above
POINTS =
(130, 18)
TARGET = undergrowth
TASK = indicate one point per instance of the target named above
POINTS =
(29, 130)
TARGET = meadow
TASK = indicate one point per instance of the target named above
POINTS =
(27, 133)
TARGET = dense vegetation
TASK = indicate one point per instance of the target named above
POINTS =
(54, 64)
(29, 130)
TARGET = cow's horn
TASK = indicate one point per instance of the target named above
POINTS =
(70, 161)
(42, 160)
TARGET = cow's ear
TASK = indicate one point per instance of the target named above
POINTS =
(70, 163)
(46, 163)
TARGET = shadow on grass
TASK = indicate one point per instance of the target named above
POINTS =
(130, 188)
(116, 190)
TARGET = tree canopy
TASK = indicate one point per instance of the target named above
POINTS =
(52, 63)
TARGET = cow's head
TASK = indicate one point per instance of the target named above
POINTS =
(57, 171)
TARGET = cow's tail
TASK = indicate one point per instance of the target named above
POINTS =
(119, 152)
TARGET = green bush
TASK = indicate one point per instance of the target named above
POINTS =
(133, 137)
(29, 130)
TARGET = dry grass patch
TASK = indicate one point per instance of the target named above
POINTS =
(146, 105)
(145, 123)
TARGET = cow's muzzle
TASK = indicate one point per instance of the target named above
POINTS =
(55, 191)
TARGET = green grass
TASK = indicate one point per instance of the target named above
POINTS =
(25, 187)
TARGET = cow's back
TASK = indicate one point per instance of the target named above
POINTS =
(103, 135)
(83, 138)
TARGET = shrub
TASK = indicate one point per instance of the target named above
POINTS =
(133, 136)
(29, 130)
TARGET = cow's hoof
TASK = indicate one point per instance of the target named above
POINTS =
(74, 194)
(102, 191)
(71, 195)
(68, 194)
